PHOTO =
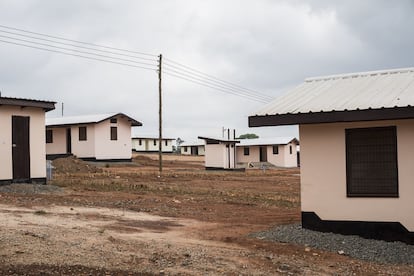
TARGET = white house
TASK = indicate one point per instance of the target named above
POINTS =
(91, 137)
(151, 144)
(279, 151)
(357, 151)
(193, 148)
(22, 140)
(220, 153)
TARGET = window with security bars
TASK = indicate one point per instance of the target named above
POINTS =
(371, 162)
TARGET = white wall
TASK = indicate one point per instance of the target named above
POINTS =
(217, 156)
(36, 136)
(105, 148)
(59, 141)
(83, 149)
(147, 145)
(323, 175)
(282, 159)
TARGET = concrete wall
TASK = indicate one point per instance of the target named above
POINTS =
(83, 149)
(59, 141)
(105, 148)
(282, 159)
(254, 154)
(201, 150)
(323, 175)
(37, 141)
(147, 145)
(217, 156)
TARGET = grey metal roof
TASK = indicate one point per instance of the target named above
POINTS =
(87, 119)
(346, 92)
(267, 141)
(217, 139)
(46, 105)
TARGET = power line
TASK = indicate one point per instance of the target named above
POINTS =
(216, 85)
(74, 50)
(172, 68)
(186, 68)
(77, 46)
(216, 88)
(77, 41)
(76, 55)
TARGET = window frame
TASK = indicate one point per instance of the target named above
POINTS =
(114, 133)
(246, 151)
(49, 136)
(83, 133)
(373, 153)
(275, 152)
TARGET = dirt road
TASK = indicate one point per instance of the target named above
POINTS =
(126, 220)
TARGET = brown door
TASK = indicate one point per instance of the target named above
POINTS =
(263, 154)
(20, 148)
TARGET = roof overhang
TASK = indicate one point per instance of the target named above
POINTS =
(209, 139)
(46, 105)
(395, 113)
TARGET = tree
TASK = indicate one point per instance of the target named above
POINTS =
(248, 136)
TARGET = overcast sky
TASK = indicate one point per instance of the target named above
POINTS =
(267, 46)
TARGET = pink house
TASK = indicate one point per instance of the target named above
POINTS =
(91, 137)
(22, 140)
(357, 147)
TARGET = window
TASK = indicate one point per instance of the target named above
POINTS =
(166, 142)
(114, 133)
(371, 162)
(82, 134)
(155, 142)
(185, 149)
(290, 149)
(140, 142)
(49, 136)
(113, 120)
(276, 149)
(246, 150)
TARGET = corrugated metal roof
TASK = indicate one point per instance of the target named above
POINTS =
(151, 137)
(47, 105)
(193, 144)
(266, 141)
(86, 119)
(354, 91)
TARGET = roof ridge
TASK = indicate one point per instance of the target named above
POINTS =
(360, 74)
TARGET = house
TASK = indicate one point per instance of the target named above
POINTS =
(357, 151)
(279, 151)
(192, 148)
(22, 140)
(220, 153)
(151, 144)
(91, 137)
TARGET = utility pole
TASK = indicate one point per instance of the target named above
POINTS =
(160, 114)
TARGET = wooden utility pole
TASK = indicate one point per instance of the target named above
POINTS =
(160, 114)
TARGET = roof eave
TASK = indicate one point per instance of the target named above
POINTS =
(45, 105)
(332, 116)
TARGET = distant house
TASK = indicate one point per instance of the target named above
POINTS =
(192, 148)
(357, 151)
(151, 144)
(91, 137)
(279, 151)
(22, 140)
(220, 153)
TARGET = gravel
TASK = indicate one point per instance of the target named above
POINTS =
(28, 189)
(353, 246)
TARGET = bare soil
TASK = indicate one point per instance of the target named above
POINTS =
(128, 219)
